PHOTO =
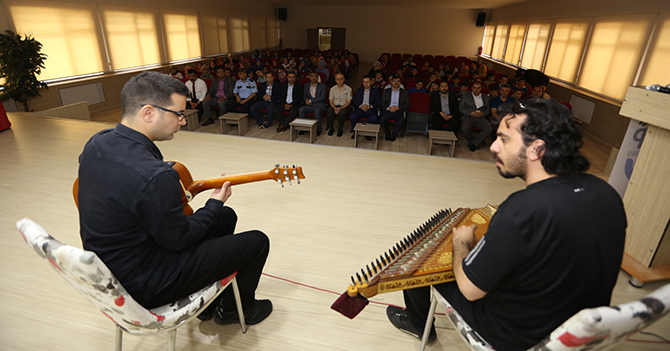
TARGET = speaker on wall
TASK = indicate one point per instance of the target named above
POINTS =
(481, 18)
(282, 14)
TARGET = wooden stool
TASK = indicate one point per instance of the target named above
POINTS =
(303, 124)
(191, 119)
(234, 118)
(442, 137)
(363, 129)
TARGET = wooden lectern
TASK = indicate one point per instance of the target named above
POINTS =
(647, 198)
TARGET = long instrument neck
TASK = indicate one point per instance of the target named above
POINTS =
(205, 184)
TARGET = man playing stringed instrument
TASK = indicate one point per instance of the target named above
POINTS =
(131, 213)
(550, 250)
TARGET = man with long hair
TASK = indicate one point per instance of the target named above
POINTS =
(550, 250)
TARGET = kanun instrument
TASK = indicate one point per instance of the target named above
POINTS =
(422, 258)
(191, 188)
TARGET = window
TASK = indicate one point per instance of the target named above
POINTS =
(273, 32)
(239, 33)
(658, 58)
(515, 43)
(215, 34)
(258, 32)
(499, 41)
(613, 54)
(565, 52)
(131, 38)
(68, 34)
(488, 40)
(183, 36)
(536, 45)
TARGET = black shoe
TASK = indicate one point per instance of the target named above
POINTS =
(399, 319)
(261, 310)
(208, 312)
(318, 132)
(331, 131)
(353, 136)
(472, 147)
(387, 137)
(392, 137)
(208, 122)
(267, 125)
(339, 133)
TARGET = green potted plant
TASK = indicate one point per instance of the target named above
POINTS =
(20, 63)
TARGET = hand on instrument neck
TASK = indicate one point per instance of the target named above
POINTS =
(223, 193)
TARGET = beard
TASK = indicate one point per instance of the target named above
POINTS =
(515, 166)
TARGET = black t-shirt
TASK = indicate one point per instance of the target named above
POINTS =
(551, 250)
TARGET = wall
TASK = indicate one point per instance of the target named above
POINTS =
(539, 9)
(373, 30)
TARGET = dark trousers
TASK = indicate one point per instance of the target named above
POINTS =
(370, 114)
(217, 256)
(233, 104)
(286, 119)
(341, 117)
(260, 105)
(398, 116)
(467, 122)
(453, 124)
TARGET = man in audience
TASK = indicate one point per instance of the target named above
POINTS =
(270, 90)
(339, 101)
(444, 108)
(517, 95)
(365, 102)
(537, 92)
(503, 80)
(474, 108)
(551, 249)
(220, 91)
(521, 85)
(395, 102)
(290, 99)
(245, 93)
(418, 87)
(197, 89)
(315, 100)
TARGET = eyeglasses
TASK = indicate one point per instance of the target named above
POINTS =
(180, 114)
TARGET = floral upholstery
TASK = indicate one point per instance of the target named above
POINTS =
(89, 275)
(590, 329)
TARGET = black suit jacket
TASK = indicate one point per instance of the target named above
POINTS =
(436, 104)
(297, 94)
(228, 87)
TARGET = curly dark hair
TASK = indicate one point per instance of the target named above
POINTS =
(552, 122)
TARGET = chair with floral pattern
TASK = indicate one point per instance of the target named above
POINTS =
(590, 329)
(89, 275)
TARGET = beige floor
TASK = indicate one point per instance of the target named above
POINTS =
(353, 204)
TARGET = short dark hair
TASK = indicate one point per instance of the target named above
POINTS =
(494, 87)
(551, 122)
(149, 88)
(419, 81)
(503, 76)
(505, 86)
(365, 76)
(395, 76)
(191, 71)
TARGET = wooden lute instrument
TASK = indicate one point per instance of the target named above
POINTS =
(191, 188)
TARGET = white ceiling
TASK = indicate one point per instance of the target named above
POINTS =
(454, 4)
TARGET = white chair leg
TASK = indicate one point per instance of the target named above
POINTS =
(172, 339)
(429, 320)
(119, 339)
(238, 303)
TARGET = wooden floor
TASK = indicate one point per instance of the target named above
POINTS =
(353, 205)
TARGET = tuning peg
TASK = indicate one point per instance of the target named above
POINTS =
(288, 180)
(369, 271)
(280, 182)
(359, 278)
(352, 280)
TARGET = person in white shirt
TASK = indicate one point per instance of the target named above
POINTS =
(197, 89)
